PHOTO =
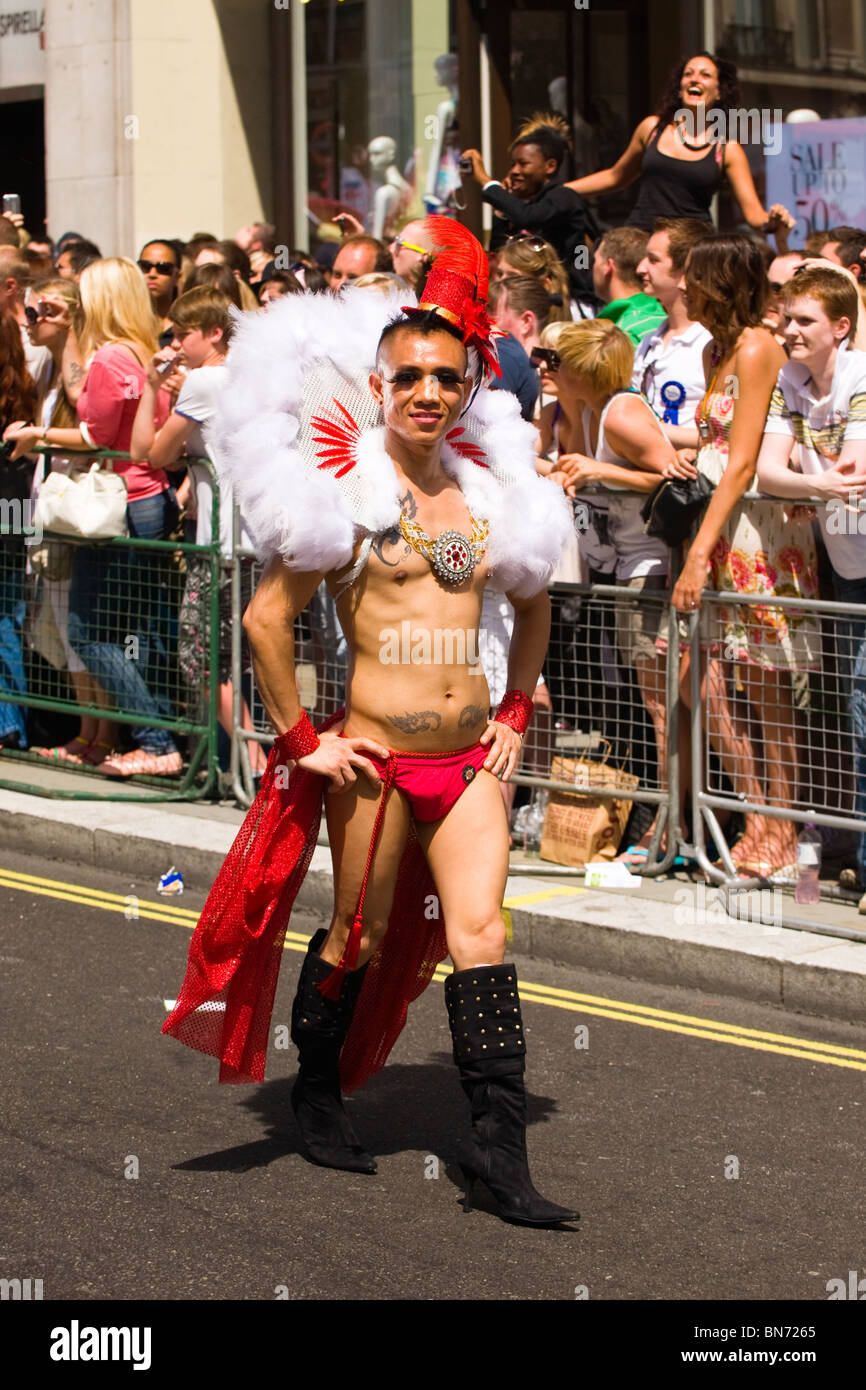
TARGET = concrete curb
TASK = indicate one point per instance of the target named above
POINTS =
(623, 932)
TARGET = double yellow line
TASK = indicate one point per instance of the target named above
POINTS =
(598, 1006)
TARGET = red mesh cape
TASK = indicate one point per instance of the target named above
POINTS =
(227, 996)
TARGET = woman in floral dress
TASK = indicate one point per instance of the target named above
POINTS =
(755, 653)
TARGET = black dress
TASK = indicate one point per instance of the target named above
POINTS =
(676, 187)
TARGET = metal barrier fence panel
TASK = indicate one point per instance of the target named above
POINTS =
(320, 670)
(607, 672)
(125, 629)
(613, 674)
(785, 741)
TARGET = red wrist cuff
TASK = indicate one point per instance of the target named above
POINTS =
(515, 710)
(298, 741)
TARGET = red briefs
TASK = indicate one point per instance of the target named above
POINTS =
(432, 782)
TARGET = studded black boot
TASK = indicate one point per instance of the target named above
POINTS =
(489, 1049)
(319, 1028)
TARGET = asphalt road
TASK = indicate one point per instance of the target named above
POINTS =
(129, 1173)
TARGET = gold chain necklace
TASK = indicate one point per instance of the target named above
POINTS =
(452, 555)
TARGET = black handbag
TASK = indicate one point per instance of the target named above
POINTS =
(676, 506)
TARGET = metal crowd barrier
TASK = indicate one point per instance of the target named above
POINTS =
(320, 668)
(624, 716)
(607, 714)
(797, 762)
(125, 595)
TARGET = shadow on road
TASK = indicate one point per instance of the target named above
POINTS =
(403, 1108)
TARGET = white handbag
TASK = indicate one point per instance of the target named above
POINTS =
(91, 505)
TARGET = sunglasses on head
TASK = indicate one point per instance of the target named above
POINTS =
(161, 267)
(545, 357)
(534, 242)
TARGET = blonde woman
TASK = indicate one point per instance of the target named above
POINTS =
(50, 306)
(117, 619)
(558, 432)
(527, 254)
(628, 451)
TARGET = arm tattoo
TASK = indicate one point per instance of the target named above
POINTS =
(418, 722)
(470, 715)
(76, 372)
(408, 506)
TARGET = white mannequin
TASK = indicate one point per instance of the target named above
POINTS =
(442, 181)
(391, 188)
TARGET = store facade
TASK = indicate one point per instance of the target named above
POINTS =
(166, 119)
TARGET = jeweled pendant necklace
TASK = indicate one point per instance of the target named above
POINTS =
(452, 555)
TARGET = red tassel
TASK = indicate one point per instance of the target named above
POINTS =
(330, 988)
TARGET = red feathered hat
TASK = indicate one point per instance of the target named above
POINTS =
(456, 287)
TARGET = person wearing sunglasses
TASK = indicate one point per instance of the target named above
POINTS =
(50, 308)
(159, 263)
(74, 257)
(15, 279)
(412, 252)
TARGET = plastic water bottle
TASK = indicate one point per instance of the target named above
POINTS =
(534, 824)
(808, 889)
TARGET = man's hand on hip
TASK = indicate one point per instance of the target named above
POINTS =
(505, 744)
(337, 758)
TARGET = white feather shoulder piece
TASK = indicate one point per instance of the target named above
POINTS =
(300, 440)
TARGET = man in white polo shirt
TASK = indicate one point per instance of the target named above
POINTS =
(668, 363)
(817, 421)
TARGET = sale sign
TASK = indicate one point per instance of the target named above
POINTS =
(819, 173)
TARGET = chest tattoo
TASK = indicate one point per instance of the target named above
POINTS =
(387, 540)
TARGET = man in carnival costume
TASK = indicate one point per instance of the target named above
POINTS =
(390, 471)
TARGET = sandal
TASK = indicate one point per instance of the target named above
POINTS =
(763, 868)
(633, 857)
(139, 762)
(92, 755)
(64, 753)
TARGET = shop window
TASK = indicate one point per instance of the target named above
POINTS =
(381, 112)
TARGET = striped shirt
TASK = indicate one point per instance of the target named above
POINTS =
(821, 427)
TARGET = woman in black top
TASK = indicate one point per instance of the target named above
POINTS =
(679, 167)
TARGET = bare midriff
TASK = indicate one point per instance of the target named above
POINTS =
(415, 681)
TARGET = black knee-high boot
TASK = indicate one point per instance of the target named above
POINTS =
(489, 1049)
(319, 1028)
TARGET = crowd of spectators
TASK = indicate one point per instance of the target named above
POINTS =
(654, 352)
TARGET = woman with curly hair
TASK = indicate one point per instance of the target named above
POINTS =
(753, 649)
(679, 162)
